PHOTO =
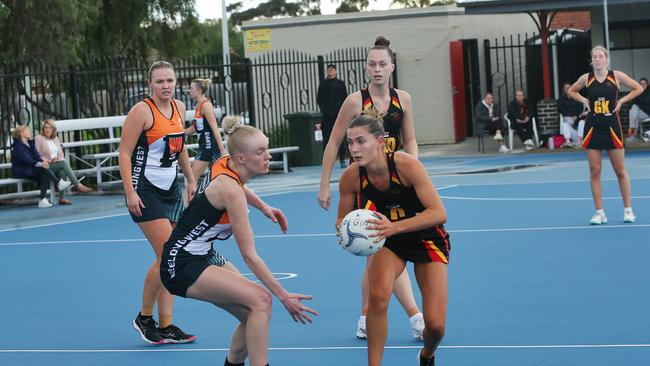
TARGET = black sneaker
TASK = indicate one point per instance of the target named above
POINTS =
(423, 361)
(148, 329)
(174, 334)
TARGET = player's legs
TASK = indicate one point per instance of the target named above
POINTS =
(617, 158)
(594, 157)
(157, 233)
(432, 280)
(198, 167)
(383, 270)
(248, 302)
(237, 352)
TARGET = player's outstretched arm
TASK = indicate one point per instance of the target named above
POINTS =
(234, 201)
(275, 214)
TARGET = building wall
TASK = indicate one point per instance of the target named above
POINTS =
(625, 54)
(420, 37)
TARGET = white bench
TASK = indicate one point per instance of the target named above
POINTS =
(20, 190)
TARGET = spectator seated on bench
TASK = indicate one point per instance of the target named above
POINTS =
(50, 149)
(640, 114)
(521, 119)
(26, 163)
(486, 114)
(572, 118)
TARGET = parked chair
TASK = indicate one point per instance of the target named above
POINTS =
(511, 132)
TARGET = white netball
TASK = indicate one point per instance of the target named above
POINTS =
(354, 233)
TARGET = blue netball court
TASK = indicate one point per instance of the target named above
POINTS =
(530, 282)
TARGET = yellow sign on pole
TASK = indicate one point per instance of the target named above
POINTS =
(258, 40)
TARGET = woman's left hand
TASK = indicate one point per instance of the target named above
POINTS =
(277, 216)
(384, 227)
(190, 190)
(618, 106)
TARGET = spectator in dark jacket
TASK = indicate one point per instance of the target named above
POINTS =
(640, 110)
(486, 115)
(520, 114)
(574, 115)
(331, 94)
(26, 163)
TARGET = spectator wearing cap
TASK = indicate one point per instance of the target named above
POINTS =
(331, 94)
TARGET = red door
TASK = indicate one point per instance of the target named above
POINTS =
(458, 89)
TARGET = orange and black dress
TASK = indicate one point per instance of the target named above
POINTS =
(154, 165)
(189, 250)
(603, 128)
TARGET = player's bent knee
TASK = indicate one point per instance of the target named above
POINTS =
(261, 301)
(379, 299)
(436, 329)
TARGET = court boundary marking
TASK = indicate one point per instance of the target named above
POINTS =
(464, 198)
(336, 348)
(278, 236)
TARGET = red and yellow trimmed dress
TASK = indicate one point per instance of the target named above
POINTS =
(603, 128)
(400, 202)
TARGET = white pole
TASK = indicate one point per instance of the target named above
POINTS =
(606, 26)
(225, 44)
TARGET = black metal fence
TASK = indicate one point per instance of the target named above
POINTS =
(514, 62)
(261, 90)
(287, 81)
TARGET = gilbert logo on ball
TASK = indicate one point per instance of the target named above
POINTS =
(355, 234)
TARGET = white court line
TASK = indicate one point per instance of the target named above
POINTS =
(458, 231)
(63, 222)
(331, 348)
(535, 198)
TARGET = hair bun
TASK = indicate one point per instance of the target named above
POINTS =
(381, 41)
(230, 124)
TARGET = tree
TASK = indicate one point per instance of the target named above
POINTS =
(422, 3)
(274, 9)
(45, 30)
(352, 6)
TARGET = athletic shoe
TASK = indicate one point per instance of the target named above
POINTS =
(498, 137)
(598, 219)
(63, 185)
(628, 216)
(361, 328)
(426, 361)
(44, 203)
(174, 334)
(631, 139)
(529, 144)
(504, 149)
(417, 325)
(148, 329)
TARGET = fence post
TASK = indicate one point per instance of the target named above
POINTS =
(488, 66)
(321, 68)
(74, 92)
(395, 83)
(250, 98)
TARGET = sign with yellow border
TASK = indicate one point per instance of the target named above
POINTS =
(258, 40)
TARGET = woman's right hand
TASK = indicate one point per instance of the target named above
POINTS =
(585, 102)
(295, 307)
(324, 198)
(134, 204)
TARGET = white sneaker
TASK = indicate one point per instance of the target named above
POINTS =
(529, 144)
(361, 328)
(63, 185)
(417, 325)
(598, 219)
(503, 149)
(498, 137)
(628, 216)
(44, 203)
